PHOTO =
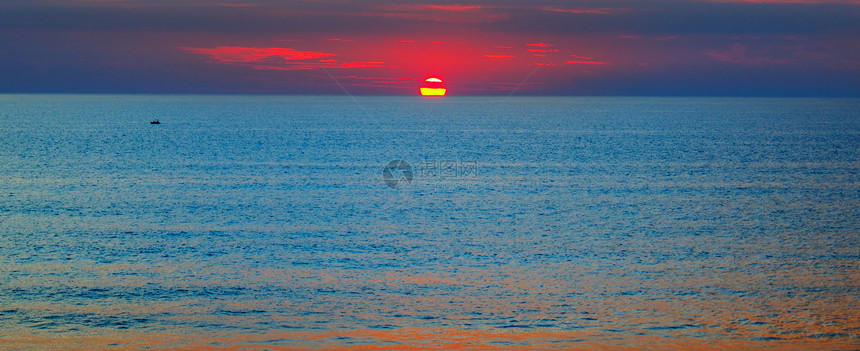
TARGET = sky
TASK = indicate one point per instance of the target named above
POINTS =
(383, 47)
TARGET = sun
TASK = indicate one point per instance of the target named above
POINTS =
(433, 87)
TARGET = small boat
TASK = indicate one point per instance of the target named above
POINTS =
(155, 122)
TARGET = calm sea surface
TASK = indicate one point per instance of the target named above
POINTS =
(265, 222)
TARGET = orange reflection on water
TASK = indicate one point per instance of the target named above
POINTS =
(399, 339)
(662, 305)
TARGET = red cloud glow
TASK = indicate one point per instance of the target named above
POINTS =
(360, 64)
(303, 66)
(602, 11)
(586, 62)
(398, 79)
(239, 54)
(278, 59)
(452, 7)
(438, 13)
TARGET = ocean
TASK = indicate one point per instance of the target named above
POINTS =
(405, 223)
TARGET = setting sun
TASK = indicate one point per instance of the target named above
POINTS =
(433, 87)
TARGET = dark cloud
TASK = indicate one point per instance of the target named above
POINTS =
(212, 19)
(723, 79)
(691, 17)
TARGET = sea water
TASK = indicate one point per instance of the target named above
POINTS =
(526, 222)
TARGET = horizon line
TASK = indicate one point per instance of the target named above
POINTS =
(435, 98)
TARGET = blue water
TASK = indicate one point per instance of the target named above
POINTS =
(546, 222)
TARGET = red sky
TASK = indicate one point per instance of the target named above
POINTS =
(760, 48)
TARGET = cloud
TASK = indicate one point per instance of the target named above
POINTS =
(452, 7)
(278, 59)
(652, 18)
(360, 64)
(434, 12)
(852, 2)
(50, 43)
(677, 17)
(778, 55)
(304, 66)
(380, 80)
(586, 62)
(237, 54)
(222, 4)
(601, 11)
